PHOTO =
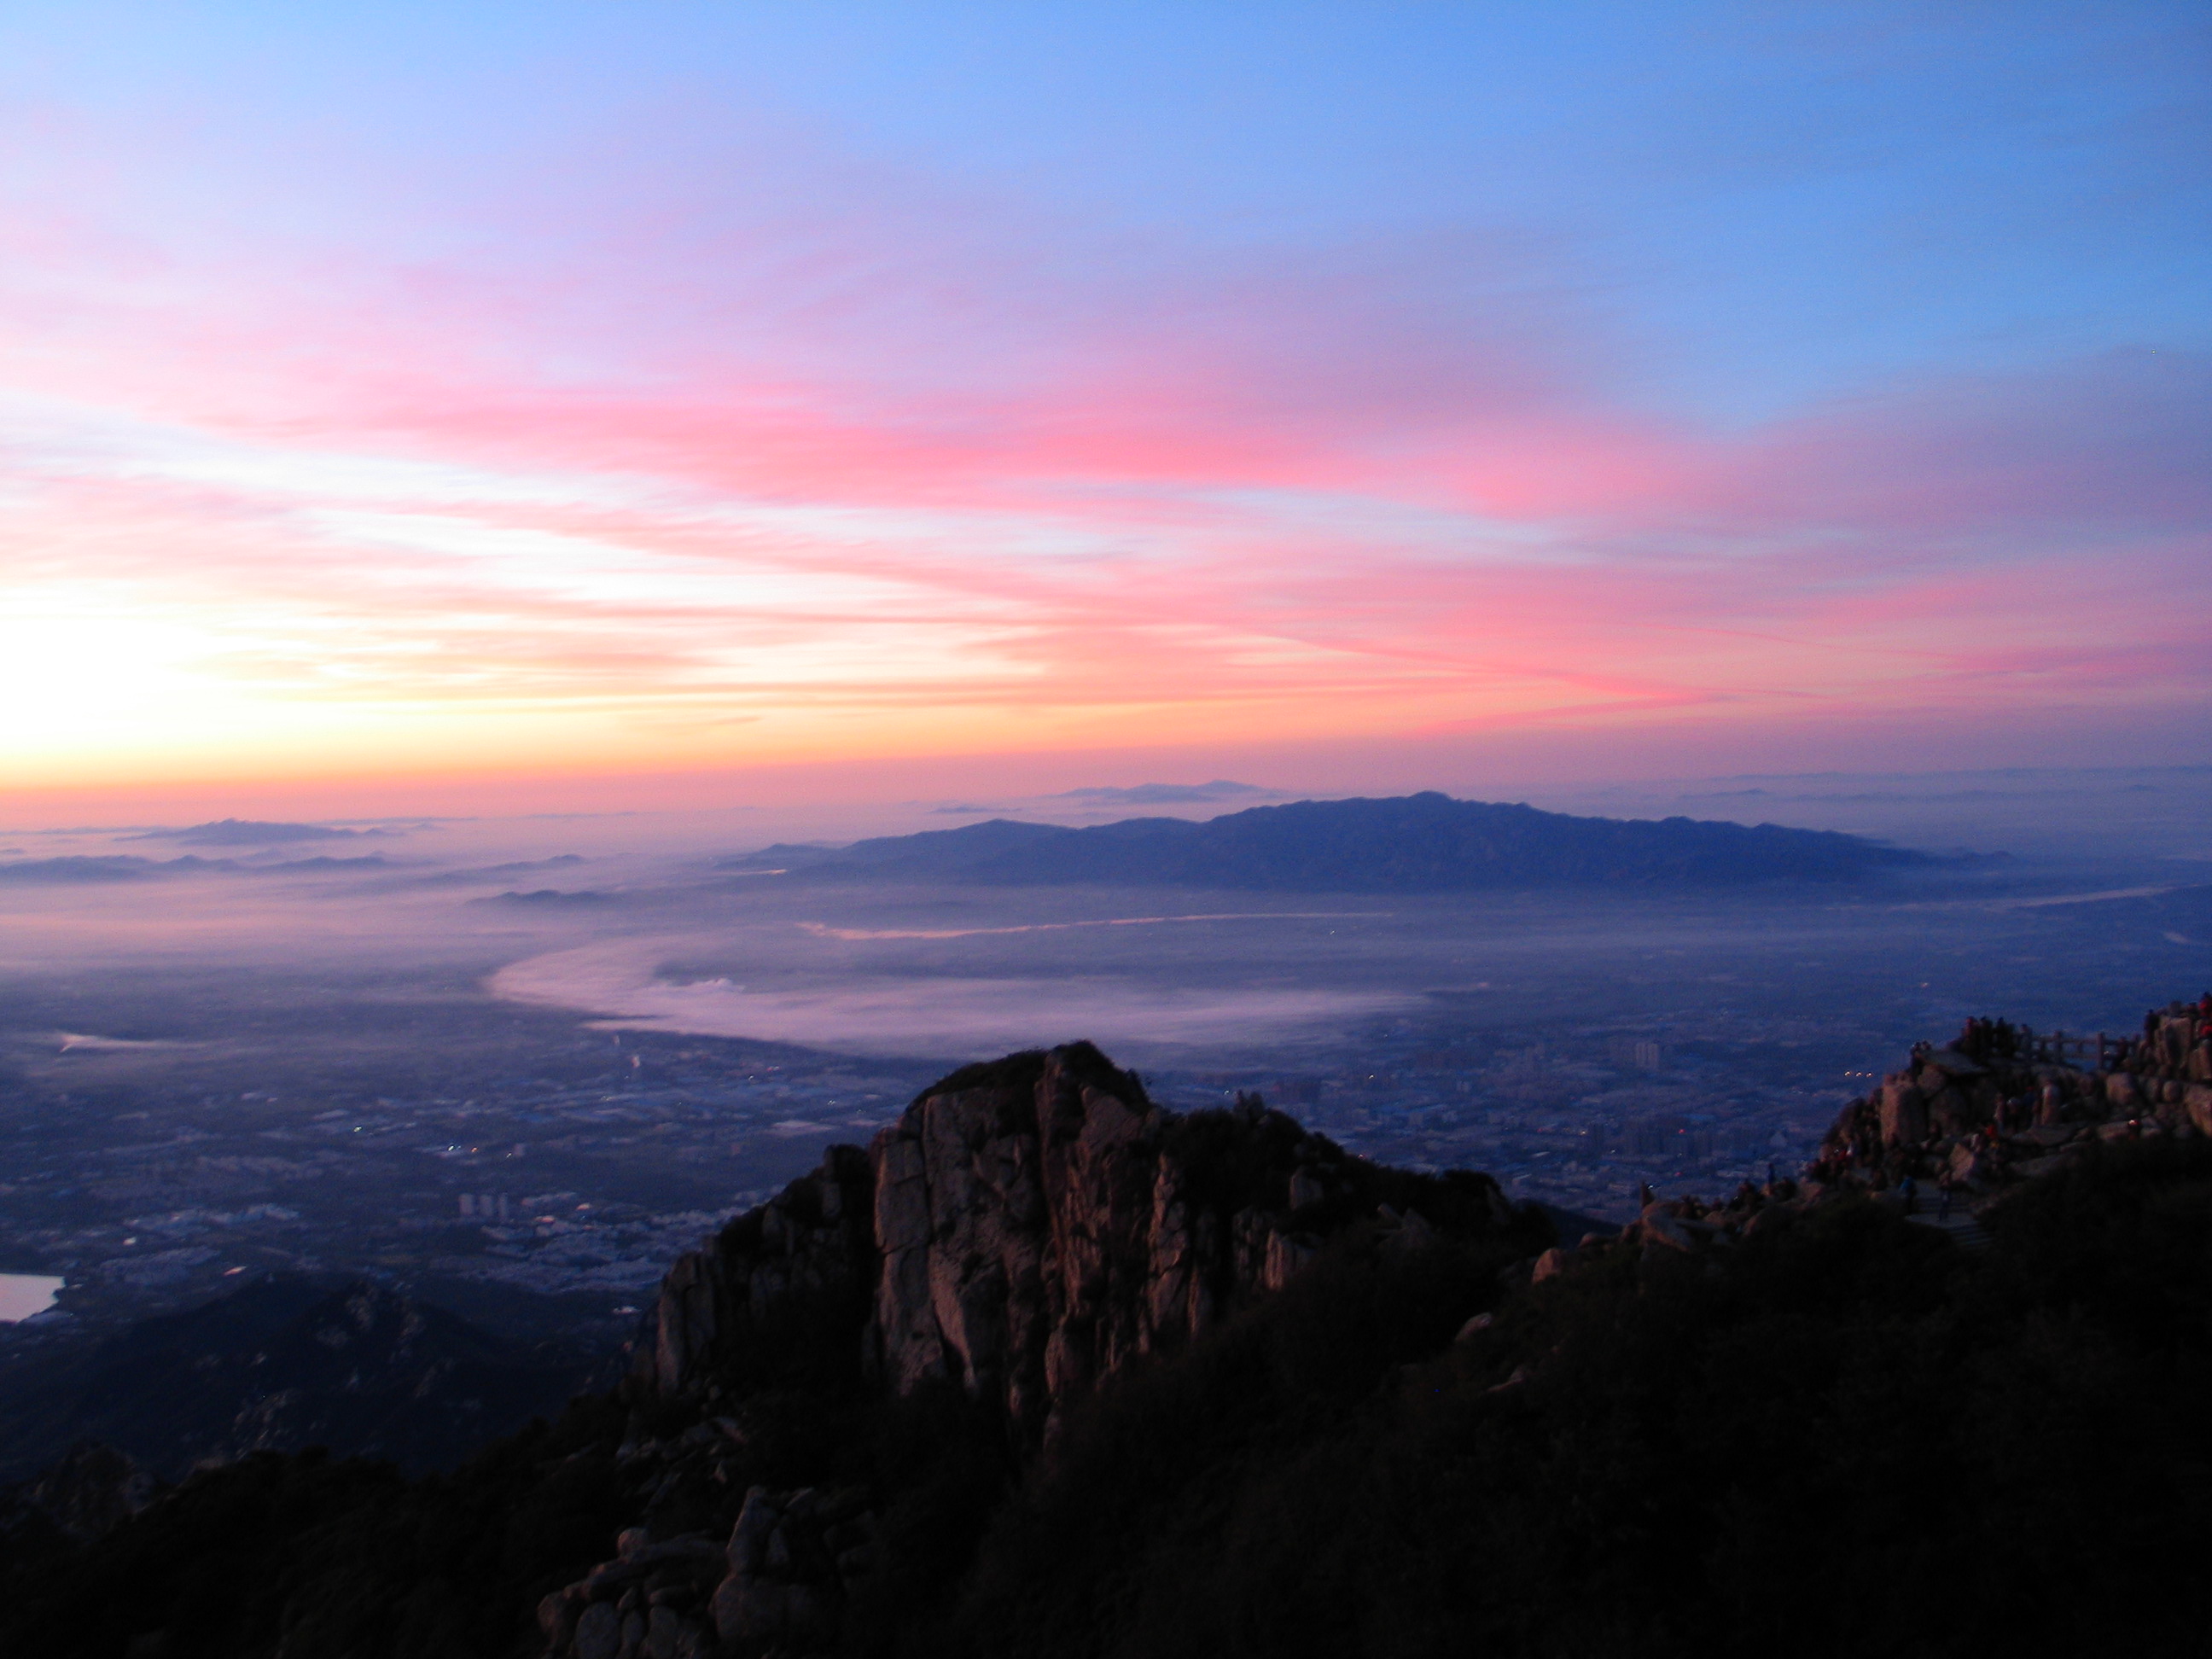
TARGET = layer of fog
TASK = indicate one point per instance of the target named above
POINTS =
(893, 1015)
(624, 919)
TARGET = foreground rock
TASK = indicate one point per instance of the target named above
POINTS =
(1025, 1230)
(1030, 1227)
(792, 1562)
(1956, 1128)
(1375, 1444)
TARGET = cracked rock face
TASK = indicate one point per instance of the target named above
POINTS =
(1023, 1230)
(1033, 1240)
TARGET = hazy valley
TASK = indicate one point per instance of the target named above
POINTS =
(516, 1078)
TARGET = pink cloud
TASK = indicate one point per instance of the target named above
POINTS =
(875, 456)
(2110, 445)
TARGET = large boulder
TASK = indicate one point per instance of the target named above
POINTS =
(1904, 1112)
(796, 1558)
(599, 1632)
(1966, 1167)
(1659, 1226)
(1950, 1113)
(645, 1601)
(1950, 1067)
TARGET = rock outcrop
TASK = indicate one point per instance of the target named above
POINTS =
(782, 1284)
(841, 1433)
(1024, 1230)
(1036, 1235)
(1955, 1128)
(2000, 1104)
(792, 1562)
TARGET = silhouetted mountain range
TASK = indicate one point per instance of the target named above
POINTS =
(252, 832)
(1426, 842)
(79, 868)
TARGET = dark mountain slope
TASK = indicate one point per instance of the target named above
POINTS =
(1414, 844)
(1269, 1425)
(283, 1365)
(1848, 1438)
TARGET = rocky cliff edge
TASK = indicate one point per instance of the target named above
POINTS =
(1028, 1227)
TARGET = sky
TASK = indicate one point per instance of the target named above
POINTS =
(410, 406)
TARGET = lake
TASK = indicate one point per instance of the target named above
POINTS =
(23, 1295)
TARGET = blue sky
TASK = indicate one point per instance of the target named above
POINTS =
(1764, 203)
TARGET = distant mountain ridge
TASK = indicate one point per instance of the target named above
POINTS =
(254, 832)
(1427, 842)
(77, 868)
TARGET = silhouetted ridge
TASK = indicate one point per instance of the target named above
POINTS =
(1031, 1225)
(1415, 843)
(1082, 1061)
(1048, 1371)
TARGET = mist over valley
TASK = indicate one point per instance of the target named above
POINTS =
(514, 1064)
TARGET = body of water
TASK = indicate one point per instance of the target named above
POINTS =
(23, 1295)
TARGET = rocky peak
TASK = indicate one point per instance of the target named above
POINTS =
(1028, 1227)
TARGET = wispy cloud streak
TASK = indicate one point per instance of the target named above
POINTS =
(861, 463)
